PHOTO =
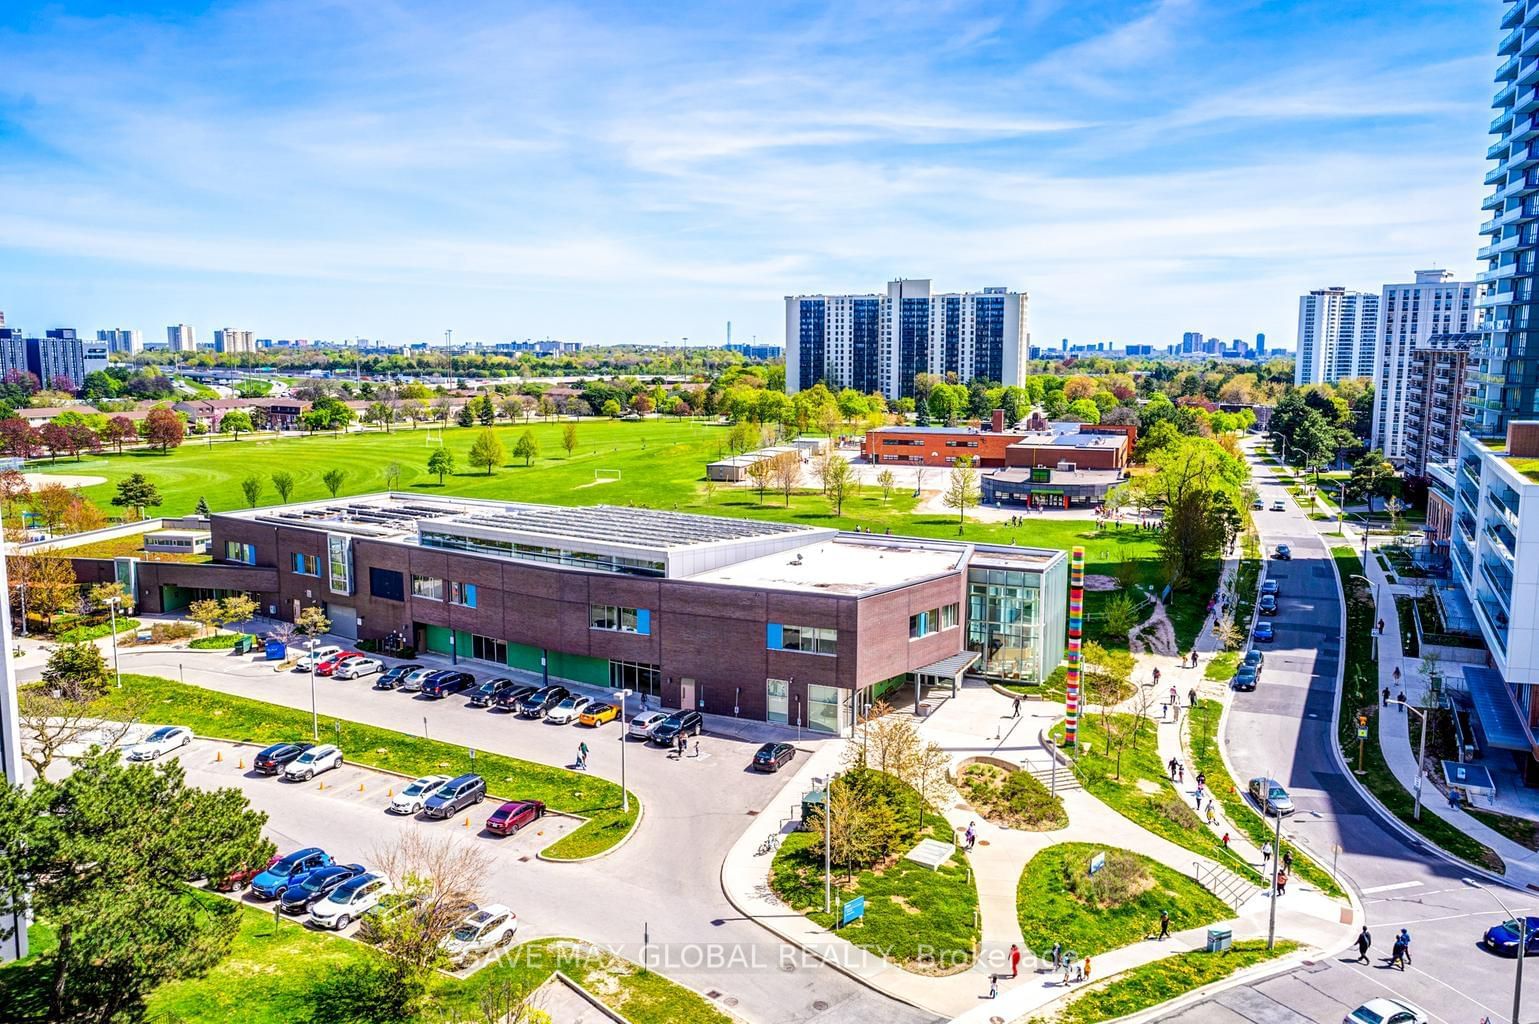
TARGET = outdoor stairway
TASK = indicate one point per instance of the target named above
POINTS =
(1225, 884)
(1043, 773)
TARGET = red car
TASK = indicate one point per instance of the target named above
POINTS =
(514, 815)
(238, 878)
(327, 667)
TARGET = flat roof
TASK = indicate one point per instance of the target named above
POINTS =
(614, 524)
(938, 430)
(1049, 439)
(844, 565)
(998, 556)
(1022, 475)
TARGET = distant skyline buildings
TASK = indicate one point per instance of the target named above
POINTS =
(230, 340)
(182, 338)
(122, 341)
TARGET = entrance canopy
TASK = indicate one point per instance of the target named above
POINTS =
(1497, 709)
(949, 668)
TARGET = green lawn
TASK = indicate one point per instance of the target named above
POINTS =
(1247, 579)
(216, 714)
(1222, 665)
(1163, 980)
(1058, 900)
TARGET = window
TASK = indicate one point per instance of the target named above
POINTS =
(777, 701)
(462, 593)
(806, 639)
(234, 551)
(620, 619)
(486, 648)
(387, 584)
(307, 565)
(429, 587)
(339, 552)
(933, 621)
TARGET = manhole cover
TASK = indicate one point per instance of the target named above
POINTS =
(788, 967)
(819, 1005)
(996, 1020)
(713, 994)
(729, 1001)
(983, 842)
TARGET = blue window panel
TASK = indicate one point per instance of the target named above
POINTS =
(299, 563)
(470, 595)
(776, 631)
(644, 621)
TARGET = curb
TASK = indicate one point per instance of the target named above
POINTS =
(641, 810)
(1250, 975)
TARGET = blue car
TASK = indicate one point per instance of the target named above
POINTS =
(1263, 633)
(271, 883)
(1244, 678)
(1503, 938)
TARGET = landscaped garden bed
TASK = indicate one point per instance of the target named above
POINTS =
(1011, 797)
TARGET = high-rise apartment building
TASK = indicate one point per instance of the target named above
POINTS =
(1434, 398)
(57, 357)
(124, 341)
(182, 338)
(880, 342)
(1338, 336)
(229, 340)
(1409, 315)
(1260, 344)
(13, 351)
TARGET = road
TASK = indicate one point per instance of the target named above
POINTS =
(1283, 729)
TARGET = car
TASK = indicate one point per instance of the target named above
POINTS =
(1255, 659)
(454, 796)
(160, 742)
(411, 799)
(1271, 587)
(270, 883)
(514, 815)
(1503, 938)
(680, 723)
(440, 684)
(1267, 605)
(509, 699)
(772, 757)
(1258, 504)
(1386, 1011)
(1270, 796)
(303, 892)
(350, 900)
(1279, 505)
(355, 668)
(391, 678)
(597, 713)
(272, 760)
(413, 680)
(1244, 679)
(327, 666)
(481, 931)
(241, 877)
(643, 724)
(315, 656)
(1283, 553)
(485, 695)
(1263, 632)
(312, 762)
(567, 711)
(542, 700)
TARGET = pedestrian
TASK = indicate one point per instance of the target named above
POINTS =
(1266, 856)
(1164, 925)
(1381, 633)
(1180, 773)
(1173, 698)
(1015, 707)
(1364, 942)
(1171, 765)
(1226, 840)
(582, 755)
(1210, 811)
(1057, 955)
(970, 836)
(1287, 860)
(682, 744)
(1156, 675)
(1386, 696)
(1191, 697)
(1405, 943)
(1202, 779)
(1400, 699)
(697, 747)
(1397, 954)
(993, 986)
(1086, 975)
(1162, 711)
(1015, 960)
(1282, 883)
(1396, 673)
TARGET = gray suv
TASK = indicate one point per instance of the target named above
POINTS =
(454, 796)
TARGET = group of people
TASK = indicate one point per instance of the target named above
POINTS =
(1399, 953)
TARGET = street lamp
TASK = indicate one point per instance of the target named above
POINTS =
(828, 840)
(112, 610)
(1522, 923)
(1421, 754)
(625, 794)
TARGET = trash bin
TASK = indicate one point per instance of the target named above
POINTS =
(276, 650)
(243, 644)
(1219, 940)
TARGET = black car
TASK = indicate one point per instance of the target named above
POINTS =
(272, 760)
(454, 796)
(772, 757)
(306, 892)
(441, 684)
(680, 723)
(391, 678)
(508, 700)
(485, 695)
(540, 701)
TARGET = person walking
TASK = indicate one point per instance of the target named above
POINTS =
(970, 836)
(582, 755)
(1015, 707)
(1057, 955)
(1171, 766)
(682, 743)
(1180, 773)
(1210, 811)
(1225, 840)
(1157, 675)
(1397, 954)
(993, 986)
(1364, 943)
(1287, 861)
(1173, 698)
(1164, 925)
(1386, 697)
(1282, 883)
(1015, 960)
(1191, 697)
(1381, 627)
(1405, 942)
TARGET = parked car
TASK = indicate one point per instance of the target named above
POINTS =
(312, 762)
(316, 656)
(508, 700)
(542, 700)
(327, 666)
(350, 900)
(643, 724)
(391, 678)
(1263, 632)
(680, 723)
(454, 796)
(411, 799)
(303, 893)
(514, 815)
(773, 756)
(597, 713)
(272, 760)
(1278, 505)
(1267, 605)
(270, 883)
(567, 711)
(441, 684)
(1270, 796)
(241, 877)
(1503, 938)
(1386, 1011)
(1284, 553)
(1271, 587)
(479, 933)
(413, 680)
(357, 668)
(1258, 504)
(160, 743)
(1255, 659)
(485, 695)
(1244, 678)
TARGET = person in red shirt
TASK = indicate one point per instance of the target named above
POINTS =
(1015, 960)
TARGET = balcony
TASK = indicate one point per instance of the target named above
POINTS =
(1466, 524)
(1509, 69)
(1506, 502)
(1494, 617)
(1500, 579)
(1500, 539)
(1511, 42)
(1506, 270)
(1527, 99)
(1530, 72)
(1498, 150)
(1513, 17)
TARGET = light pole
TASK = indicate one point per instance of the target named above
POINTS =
(828, 841)
(625, 794)
(1421, 754)
(112, 610)
(1522, 923)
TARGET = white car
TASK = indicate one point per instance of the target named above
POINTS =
(1386, 1011)
(315, 656)
(479, 933)
(413, 681)
(348, 901)
(352, 668)
(1279, 506)
(643, 724)
(160, 742)
(567, 711)
(314, 761)
(411, 799)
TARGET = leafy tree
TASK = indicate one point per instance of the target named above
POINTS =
(759, 472)
(76, 671)
(547, 407)
(1314, 441)
(466, 417)
(333, 479)
(742, 437)
(283, 483)
(1084, 410)
(611, 408)
(392, 476)
(486, 412)
(164, 429)
(1372, 476)
(442, 463)
(42, 584)
(526, 447)
(838, 481)
(961, 488)
(786, 472)
(236, 422)
(487, 451)
(251, 487)
(569, 438)
(238, 608)
(50, 502)
(1182, 476)
(119, 429)
(886, 481)
(208, 613)
(101, 594)
(136, 492)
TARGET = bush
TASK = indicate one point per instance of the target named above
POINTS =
(1173, 808)
(96, 631)
(217, 642)
(165, 632)
(1121, 879)
(1012, 798)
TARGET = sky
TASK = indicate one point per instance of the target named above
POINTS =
(613, 173)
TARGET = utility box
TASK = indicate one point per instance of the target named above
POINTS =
(1219, 940)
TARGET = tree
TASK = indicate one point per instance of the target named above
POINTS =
(55, 438)
(930, 775)
(1394, 508)
(786, 473)
(208, 613)
(442, 463)
(103, 855)
(547, 407)
(742, 437)
(311, 623)
(50, 502)
(1372, 475)
(526, 448)
(202, 509)
(838, 481)
(1183, 477)
(487, 451)
(18, 439)
(889, 744)
(14, 489)
(164, 429)
(466, 417)
(486, 412)
(333, 479)
(886, 481)
(283, 483)
(237, 608)
(81, 516)
(1315, 441)
(611, 408)
(569, 438)
(1084, 411)
(43, 584)
(961, 488)
(76, 671)
(392, 476)
(759, 472)
(52, 722)
(136, 492)
(251, 487)
(236, 422)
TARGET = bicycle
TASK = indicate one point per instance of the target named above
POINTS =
(770, 845)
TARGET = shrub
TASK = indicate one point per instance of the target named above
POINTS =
(1174, 808)
(1122, 879)
(96, 631)
(165, 632)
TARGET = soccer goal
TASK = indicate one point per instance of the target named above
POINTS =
(605, 474)
(434, 437)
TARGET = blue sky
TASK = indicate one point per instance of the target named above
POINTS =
(647, 172)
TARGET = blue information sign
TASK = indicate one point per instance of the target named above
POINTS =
(853, 910)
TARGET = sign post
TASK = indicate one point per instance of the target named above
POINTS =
(852, 910)
(1362, 735)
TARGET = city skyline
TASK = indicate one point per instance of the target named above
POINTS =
(484, 171)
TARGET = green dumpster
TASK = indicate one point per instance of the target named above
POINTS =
(243, 644)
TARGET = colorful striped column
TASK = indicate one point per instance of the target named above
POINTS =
(1076, 628)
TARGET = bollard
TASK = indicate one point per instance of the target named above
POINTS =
(360, 787)
(241, 764)
(323, 786)
(467, 821)
(218, 756)
(390, 793)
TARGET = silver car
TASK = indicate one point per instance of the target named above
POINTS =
(1270, 796)
(413, 681)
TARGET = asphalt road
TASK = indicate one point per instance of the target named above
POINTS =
(1283, 729)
